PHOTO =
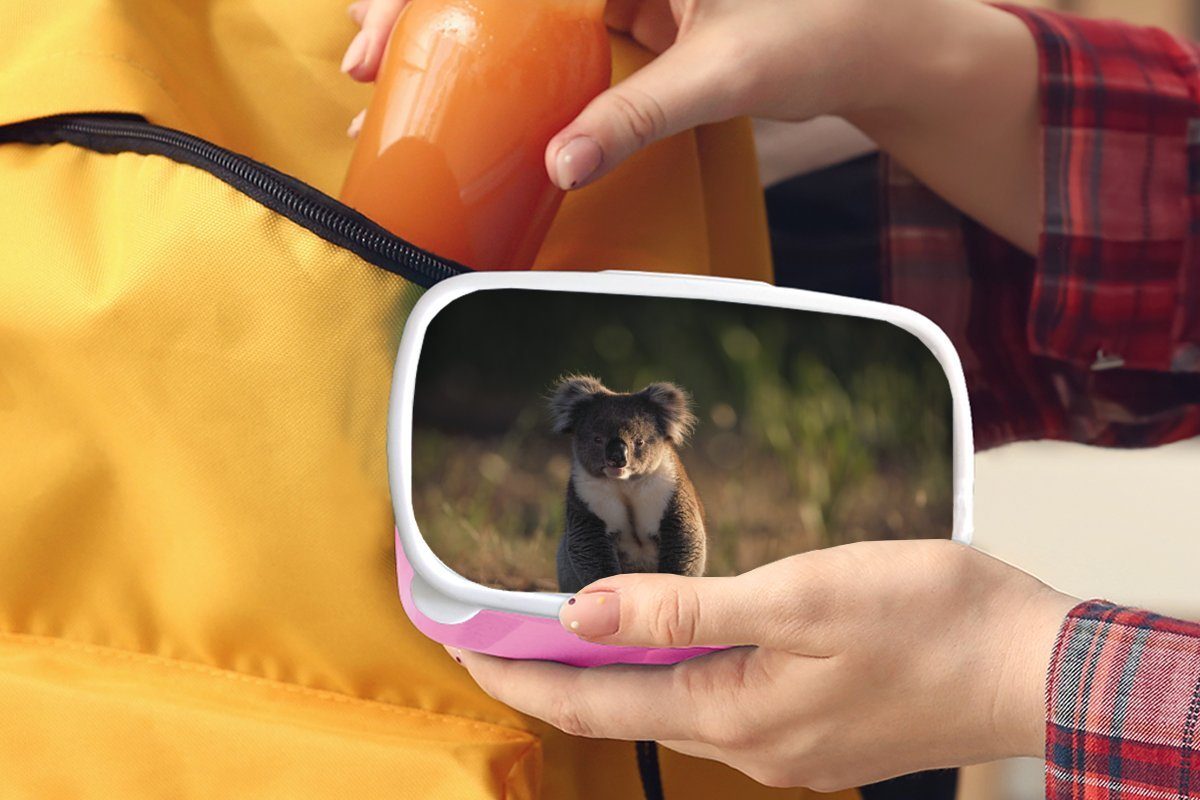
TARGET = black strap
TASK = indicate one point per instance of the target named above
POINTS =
(825, 230)
(647, 758)
(938, 785)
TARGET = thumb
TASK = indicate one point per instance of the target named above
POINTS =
(680, 89)
(657, 610)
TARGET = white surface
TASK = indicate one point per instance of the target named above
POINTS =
(788, 149)
(456, 590)
(1121, 525)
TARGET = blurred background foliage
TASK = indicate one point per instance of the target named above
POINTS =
(814, 429)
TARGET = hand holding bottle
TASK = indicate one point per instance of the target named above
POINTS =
(947, 87)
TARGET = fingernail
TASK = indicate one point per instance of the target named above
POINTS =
(592, 615)
(356, 52)
(577, 161)
(356, 125)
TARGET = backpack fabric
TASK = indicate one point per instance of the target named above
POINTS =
(197, 586)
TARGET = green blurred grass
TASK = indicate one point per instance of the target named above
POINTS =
(814, 430)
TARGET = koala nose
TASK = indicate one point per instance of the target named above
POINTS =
(616, 453)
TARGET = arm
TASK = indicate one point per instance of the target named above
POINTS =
(954, 98)
(1097, 339)
(948, 87)
(1101, 144)
(1073, 139)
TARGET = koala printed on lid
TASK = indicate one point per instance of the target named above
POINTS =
(630, 503)
(622, 435)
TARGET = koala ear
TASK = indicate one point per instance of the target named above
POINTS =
(569, 394)
(674, 410)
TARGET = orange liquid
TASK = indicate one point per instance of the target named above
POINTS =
(452, 151)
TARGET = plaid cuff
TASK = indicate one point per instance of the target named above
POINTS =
(1121, 172)
(1123, 700)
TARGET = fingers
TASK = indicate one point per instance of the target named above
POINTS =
(684, 87)
(620, 14)
(356, 124)
(654, 27)
(358, 11)
(365, 52)
(653, 703)
(651, 23)
(671, 611)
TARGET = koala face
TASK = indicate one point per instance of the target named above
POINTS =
(620, 436)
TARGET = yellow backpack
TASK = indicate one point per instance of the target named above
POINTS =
(197, 593)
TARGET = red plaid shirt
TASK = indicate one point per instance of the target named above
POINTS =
(1124, 707)
(1096, 340)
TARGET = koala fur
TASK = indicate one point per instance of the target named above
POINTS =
(630, 504)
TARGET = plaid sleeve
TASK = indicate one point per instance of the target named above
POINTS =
(1097, 339)
(1123, 705)
(1117, 281)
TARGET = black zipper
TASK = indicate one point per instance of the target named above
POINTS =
(318, 212)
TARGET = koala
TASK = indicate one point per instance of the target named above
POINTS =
(630, 504)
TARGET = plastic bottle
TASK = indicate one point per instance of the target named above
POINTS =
(451, 155)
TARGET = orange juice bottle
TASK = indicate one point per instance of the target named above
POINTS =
(452, 150)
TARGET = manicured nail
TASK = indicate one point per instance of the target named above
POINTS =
(592, 615)
(577, 161)
(356, 125)
(356, 53)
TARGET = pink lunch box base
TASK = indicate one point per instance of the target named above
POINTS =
(500, 633)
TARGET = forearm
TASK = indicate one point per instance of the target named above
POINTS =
(951, 92)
